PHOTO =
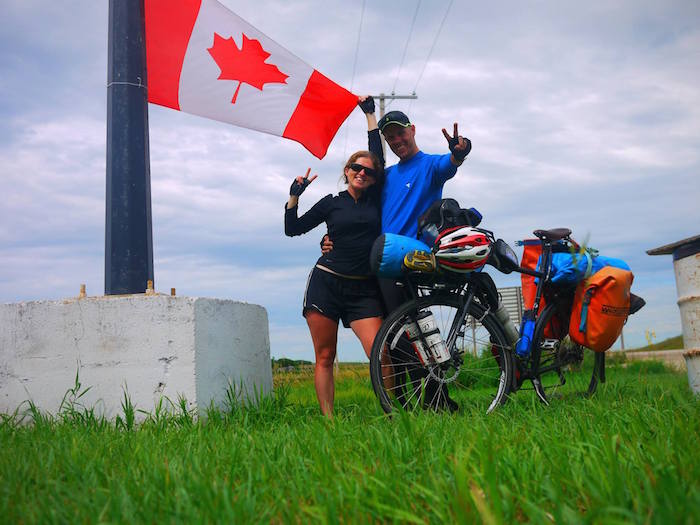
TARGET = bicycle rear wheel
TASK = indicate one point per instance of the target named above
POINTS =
(478, 372)
(559, 362)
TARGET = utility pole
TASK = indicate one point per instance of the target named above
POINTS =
(382, 97)
(128, 229)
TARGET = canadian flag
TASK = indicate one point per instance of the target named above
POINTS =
(205, 60)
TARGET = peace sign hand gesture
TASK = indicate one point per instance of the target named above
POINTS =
(459, 146)
(300, 184)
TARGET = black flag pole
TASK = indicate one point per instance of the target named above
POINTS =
(128, 226)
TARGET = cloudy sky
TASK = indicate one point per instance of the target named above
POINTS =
(582, 114)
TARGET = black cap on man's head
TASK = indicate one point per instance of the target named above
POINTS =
(393, 117)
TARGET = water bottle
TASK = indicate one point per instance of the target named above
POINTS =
(511, 332)
(434, 349)
(527, 330)
(431, 333)
(413, 335)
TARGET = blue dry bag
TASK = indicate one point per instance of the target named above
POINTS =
(388, 251)
(571, 269)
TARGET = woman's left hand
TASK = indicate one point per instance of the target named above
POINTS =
(366, 103)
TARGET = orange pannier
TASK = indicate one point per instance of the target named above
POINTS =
(601, 306)
(532, 249)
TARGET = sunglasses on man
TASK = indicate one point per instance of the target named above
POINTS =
(359, 167)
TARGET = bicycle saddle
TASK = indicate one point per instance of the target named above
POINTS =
(554, 235)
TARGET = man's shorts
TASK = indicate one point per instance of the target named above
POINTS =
(393, 294)
(337, 297)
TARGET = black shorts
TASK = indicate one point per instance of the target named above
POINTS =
(337, 297)
(393, 293)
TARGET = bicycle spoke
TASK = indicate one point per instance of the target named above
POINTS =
(416, 389)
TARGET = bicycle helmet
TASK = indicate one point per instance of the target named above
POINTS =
(462, 249)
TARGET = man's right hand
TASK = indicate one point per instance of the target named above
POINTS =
(326, 245)
(459, 146)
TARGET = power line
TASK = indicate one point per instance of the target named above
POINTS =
(354, 66)
(357, 46)
(432, 47)
(405, 48)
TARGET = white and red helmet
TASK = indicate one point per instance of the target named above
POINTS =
(462, 249)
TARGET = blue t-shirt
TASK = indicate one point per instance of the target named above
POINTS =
(410, 188)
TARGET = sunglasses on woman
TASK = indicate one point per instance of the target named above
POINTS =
(359, 167)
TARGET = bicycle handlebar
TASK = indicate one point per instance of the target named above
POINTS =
(527, 271)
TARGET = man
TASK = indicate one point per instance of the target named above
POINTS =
(416, 181)
(411, 186)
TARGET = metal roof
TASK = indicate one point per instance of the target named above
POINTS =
(679, 249)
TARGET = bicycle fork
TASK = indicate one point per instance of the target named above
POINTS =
(457, 325)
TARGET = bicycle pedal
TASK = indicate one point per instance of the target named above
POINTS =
(420, 261)
(549, 344)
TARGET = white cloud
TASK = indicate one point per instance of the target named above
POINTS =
(582, 115)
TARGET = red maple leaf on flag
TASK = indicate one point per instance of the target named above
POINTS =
(246, 64)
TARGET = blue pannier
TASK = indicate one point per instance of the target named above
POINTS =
(570, 268)
(388, 251)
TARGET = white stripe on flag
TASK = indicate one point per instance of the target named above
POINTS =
(202, 93)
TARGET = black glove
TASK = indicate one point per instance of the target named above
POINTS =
(367, 106)
(297, 189)
(459, 155)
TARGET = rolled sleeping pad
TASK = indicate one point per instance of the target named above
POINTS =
(570, 269)
(388, 251)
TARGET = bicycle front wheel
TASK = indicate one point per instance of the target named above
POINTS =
(477, 373)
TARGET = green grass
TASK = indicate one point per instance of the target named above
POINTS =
(628, 455)
(672, 343)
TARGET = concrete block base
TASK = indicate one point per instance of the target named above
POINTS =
(151, 346)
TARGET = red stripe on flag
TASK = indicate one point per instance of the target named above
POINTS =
(168, 28)
(322, 108)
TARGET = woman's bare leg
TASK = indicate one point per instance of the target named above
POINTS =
(365, 330)
(324, 334)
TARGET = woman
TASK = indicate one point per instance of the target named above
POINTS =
(341, 286)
